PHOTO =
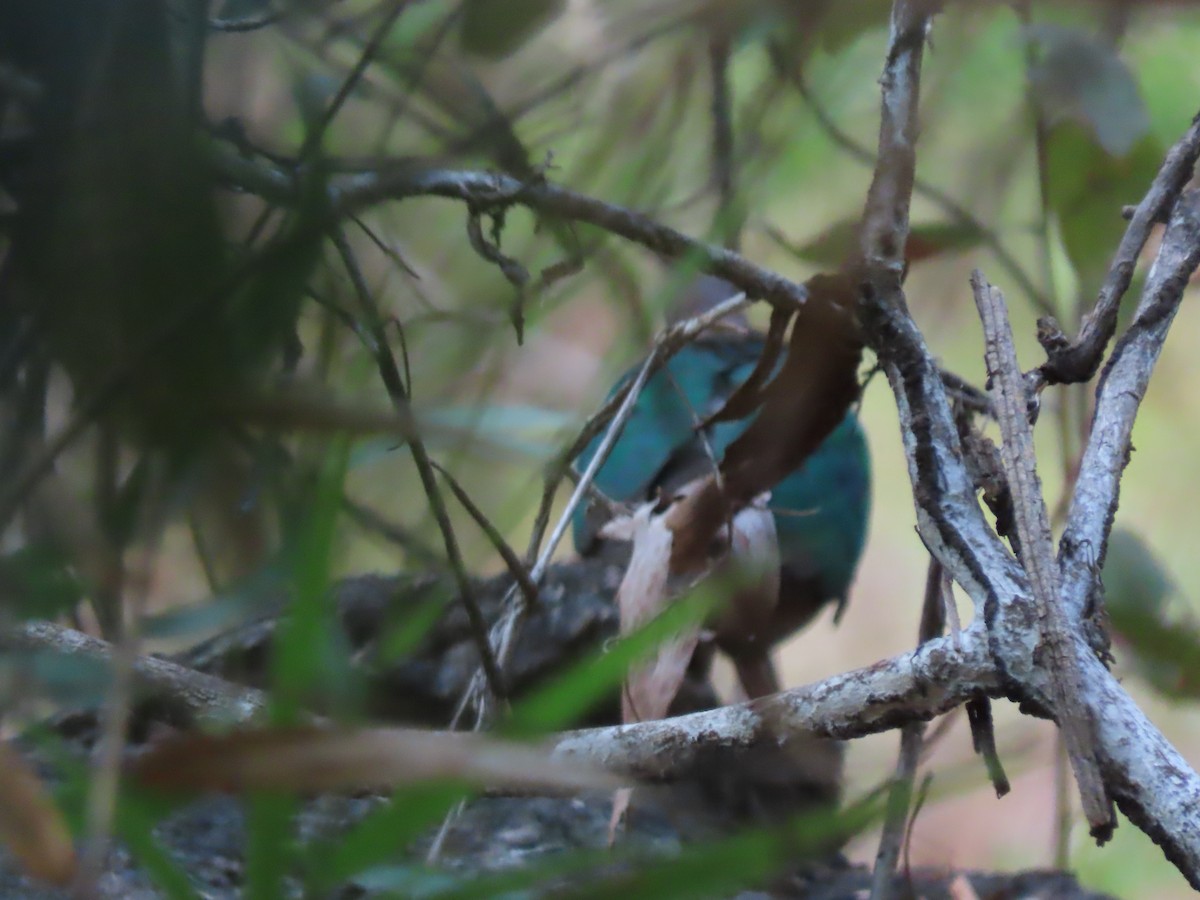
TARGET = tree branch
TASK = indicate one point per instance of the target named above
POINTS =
(1078, 361)
(1057, 639)
(185, 693)
(406, 179)
(1145, 775)
(918, 685)
(1122, 387)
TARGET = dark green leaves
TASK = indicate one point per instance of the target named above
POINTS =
(1161, 645)
(1100, 155)
(496, 28)
(1077, 78)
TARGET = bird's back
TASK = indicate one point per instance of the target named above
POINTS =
(820, 510)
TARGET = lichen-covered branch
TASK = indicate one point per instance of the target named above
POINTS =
(1141, 771)
(1060, 649)
(919, 685)
(1118, 397)
(1078, 360)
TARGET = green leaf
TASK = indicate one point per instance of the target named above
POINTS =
(384, 834)
(574, 692)
(498, 28)
(269, 847)
(1164, 648)
(136, 817)
(309, 655)
(1088, 188)
(1080, 79)
(711, 869)
(36, 581)
(1134, 577)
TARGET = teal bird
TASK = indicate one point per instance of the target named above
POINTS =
(820, 510)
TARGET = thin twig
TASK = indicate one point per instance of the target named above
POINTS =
(371, 520)
(1078, 360)
(892, 835)
(516, 568)
(385, 248)
(948, 205)
(390, 374)
(728, 224)
(316, 133)
(670, 342)
(1057, 639)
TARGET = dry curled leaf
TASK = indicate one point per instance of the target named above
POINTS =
(645, 592)
(31, 827)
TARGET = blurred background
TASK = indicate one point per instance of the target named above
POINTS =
(1040, 121)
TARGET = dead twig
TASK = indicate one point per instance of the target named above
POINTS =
(912, 737)
(516, 568)
(1123, 385)
(1074, 361)
(389, 372)
(183, 693)
(1057, 639)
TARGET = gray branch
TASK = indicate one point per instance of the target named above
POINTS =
(996, 656)
(1120, 393)
(1057, 644)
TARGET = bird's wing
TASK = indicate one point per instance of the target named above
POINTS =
(659, 448)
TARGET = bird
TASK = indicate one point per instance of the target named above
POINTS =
(820, 511)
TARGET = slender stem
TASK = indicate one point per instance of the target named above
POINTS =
(389, 372)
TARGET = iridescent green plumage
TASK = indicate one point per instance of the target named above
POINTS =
(821, 510)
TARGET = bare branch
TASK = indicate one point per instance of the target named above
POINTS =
(947, 204)
(406, 179)
(917, 685)
(1056, 636)
(194, 695)
(1120, 393)
(516, 568)
(885, 219)
(399, 393)
(1078, 361)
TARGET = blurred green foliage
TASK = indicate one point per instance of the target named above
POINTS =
(185, 301)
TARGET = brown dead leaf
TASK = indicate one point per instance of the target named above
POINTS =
(800, 407)
(645, 592)
(316, 759)
(31, 825)
(621, 800)
(748, 395)
(809, 397)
